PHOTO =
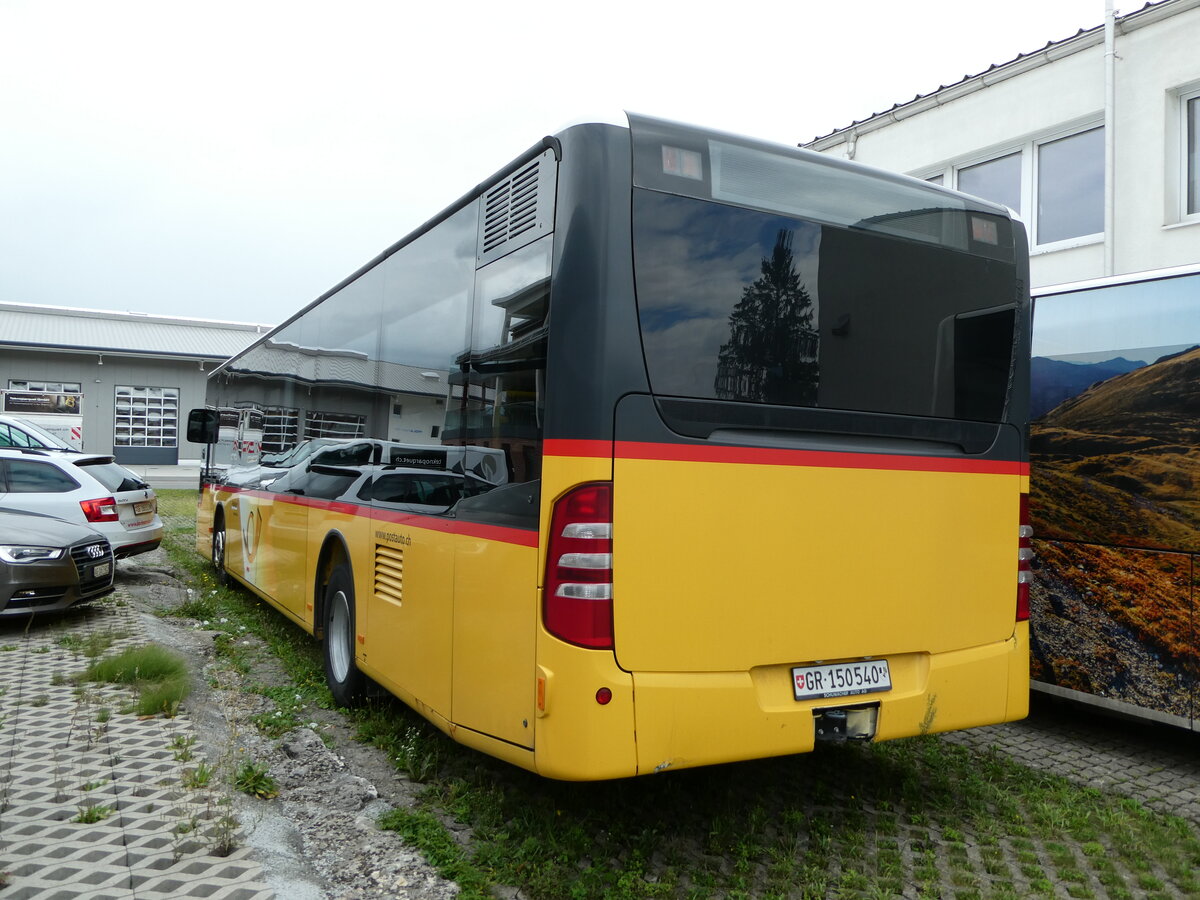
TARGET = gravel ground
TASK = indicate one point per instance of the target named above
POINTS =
(317, 840)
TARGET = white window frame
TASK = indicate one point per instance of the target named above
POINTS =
(1028, 148)
(1182, 97)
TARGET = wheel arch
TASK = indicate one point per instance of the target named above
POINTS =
(334, 552)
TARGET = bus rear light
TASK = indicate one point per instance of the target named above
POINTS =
(104, 510)
(578, 588)
(1024, 561)
(586, 560)
(604, 696)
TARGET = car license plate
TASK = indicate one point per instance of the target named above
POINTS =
(101, 570)
(841, 679)
(140, 509)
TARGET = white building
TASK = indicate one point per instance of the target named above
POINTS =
(1094, 140)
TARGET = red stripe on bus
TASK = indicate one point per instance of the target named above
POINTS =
(589, 449)
(519, 536)
(775, 456)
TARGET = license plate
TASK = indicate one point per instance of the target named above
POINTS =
(101, 570)
(140, 509)
(841, 679)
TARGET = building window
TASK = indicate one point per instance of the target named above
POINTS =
(998, 180)
(1055, 182)
(1191, 110)
(47, 387)
(1070, 187)
(146, 416)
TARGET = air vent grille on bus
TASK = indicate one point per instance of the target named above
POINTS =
(389, 574)
(518, 210)
(510, 208)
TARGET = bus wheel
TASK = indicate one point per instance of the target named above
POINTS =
(345, 682)
(218, 553)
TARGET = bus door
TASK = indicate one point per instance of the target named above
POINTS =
(495, 606)
(499, 397)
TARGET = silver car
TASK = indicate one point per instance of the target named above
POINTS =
(47, 564)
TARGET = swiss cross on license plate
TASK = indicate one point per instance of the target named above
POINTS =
(865, 676)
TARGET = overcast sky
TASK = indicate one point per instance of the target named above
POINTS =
(234, 160)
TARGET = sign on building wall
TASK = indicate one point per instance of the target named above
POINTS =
(37, 403)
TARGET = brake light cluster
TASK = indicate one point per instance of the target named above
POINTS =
(1024, 561)
(103, 510)
(578, 588)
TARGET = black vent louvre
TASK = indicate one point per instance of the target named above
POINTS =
(510, 208)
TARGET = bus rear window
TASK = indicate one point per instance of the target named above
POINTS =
(744, 305)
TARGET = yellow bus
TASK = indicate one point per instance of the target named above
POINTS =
(663, 447)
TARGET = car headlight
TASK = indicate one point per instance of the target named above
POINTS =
(20, 553)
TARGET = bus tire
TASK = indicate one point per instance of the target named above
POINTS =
(218, 553)
(345, 681)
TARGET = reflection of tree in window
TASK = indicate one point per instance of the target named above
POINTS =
(771, 354)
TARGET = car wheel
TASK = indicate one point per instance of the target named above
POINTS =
(218, 554)
(345, 681)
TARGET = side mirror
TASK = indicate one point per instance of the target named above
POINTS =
(203, 426)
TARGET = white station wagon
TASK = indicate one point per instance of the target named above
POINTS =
(86, 488)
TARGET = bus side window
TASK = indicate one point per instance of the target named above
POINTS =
(422, 491)
(498, 392)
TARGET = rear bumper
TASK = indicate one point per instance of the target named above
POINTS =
(690, 719)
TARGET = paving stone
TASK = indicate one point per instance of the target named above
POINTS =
(66, 750)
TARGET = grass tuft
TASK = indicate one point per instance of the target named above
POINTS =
(159, 676)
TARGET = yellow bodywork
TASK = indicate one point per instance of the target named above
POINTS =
(725, 577)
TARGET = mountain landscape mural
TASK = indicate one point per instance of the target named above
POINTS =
(1115, 503)
(1056, 380)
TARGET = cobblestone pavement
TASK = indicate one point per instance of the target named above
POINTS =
(1155, 764)
(93, 802)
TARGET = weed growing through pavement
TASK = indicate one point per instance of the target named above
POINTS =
(181, 747)
(199, 777)
(159, 677)
(91, 645)
(90, 814)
